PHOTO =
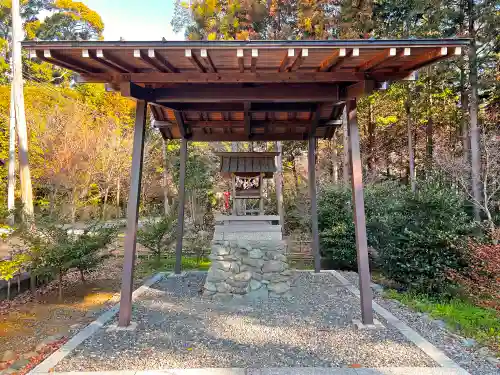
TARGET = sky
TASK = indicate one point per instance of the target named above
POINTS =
(136, 20)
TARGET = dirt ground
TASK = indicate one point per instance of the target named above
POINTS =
(26, 324)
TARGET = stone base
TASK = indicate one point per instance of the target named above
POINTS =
(255, 269)
(359, 325)
(114, 327)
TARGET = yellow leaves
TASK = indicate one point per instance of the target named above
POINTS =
(243, 35)
(80, 12)
(308, 24)
(31, 27)
(212, 36)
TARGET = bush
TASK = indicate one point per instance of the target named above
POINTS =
(480, 279)
(54, 250)
(428, 235)
(336, 220)
(158, 235)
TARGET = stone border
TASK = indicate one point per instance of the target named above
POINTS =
(433, 352)
(282, 371)
(47, 365)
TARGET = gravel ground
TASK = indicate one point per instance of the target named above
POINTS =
(178, 328)
(448, 342)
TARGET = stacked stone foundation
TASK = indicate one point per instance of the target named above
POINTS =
(249, 268)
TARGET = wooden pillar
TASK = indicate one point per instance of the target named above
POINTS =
(279, 184)
(261, 193)
(132, 215)
(359, 215)
(314, 204)
(345, 137)
(180, 217)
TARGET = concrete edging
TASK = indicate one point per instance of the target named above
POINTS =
(281, 371)
(432, 351)
(48, 364)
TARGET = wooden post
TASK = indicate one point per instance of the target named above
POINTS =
(132, 215)
(180, 217)
(345, 135)
(261, 193)
(314, 204)
(359, 215)
(279, 184)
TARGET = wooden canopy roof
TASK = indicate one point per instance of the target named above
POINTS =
(246, 90)
(248, 163)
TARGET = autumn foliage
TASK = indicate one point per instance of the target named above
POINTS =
(480, 280)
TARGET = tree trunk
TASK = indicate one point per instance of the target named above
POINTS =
(429, 132)
(335, 163)
(473, 112)
(464, 125)
(166, 166)
(8, 290)
(33, 286)
(295, 176)
(106, 194)
(411, 154)
(82, 276)
(73, 206)
(59, 286)
(118, 211)
(19, 282)
(371, 139)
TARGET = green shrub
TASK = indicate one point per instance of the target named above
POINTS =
(428, 235)
(336, 227)
(336, 221)
(54, 250)
(158, 235)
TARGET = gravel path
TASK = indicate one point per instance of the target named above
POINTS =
(448, 342)
(178, 328)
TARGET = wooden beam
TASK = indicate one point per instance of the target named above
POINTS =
(429, 57)
(233, 137)
(194, 60)
(109, 60)
(336, 57)
(260, 77)
(359, 215)
(92, 55)
(159, 58)
(247, 120)
(180, 124)
(263, 93)
(239, 107)
(46, 56)
(255, 56)
(180, 213)
(284, 62)
(208, 61)
(131, 90)
(378, 59)
(255, 123)
(360, 89)
(343, 58)
(241, 61)
(301, 56)
(132, 215)
(143, 55)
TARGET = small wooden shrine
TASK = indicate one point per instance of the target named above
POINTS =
(247, 171)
